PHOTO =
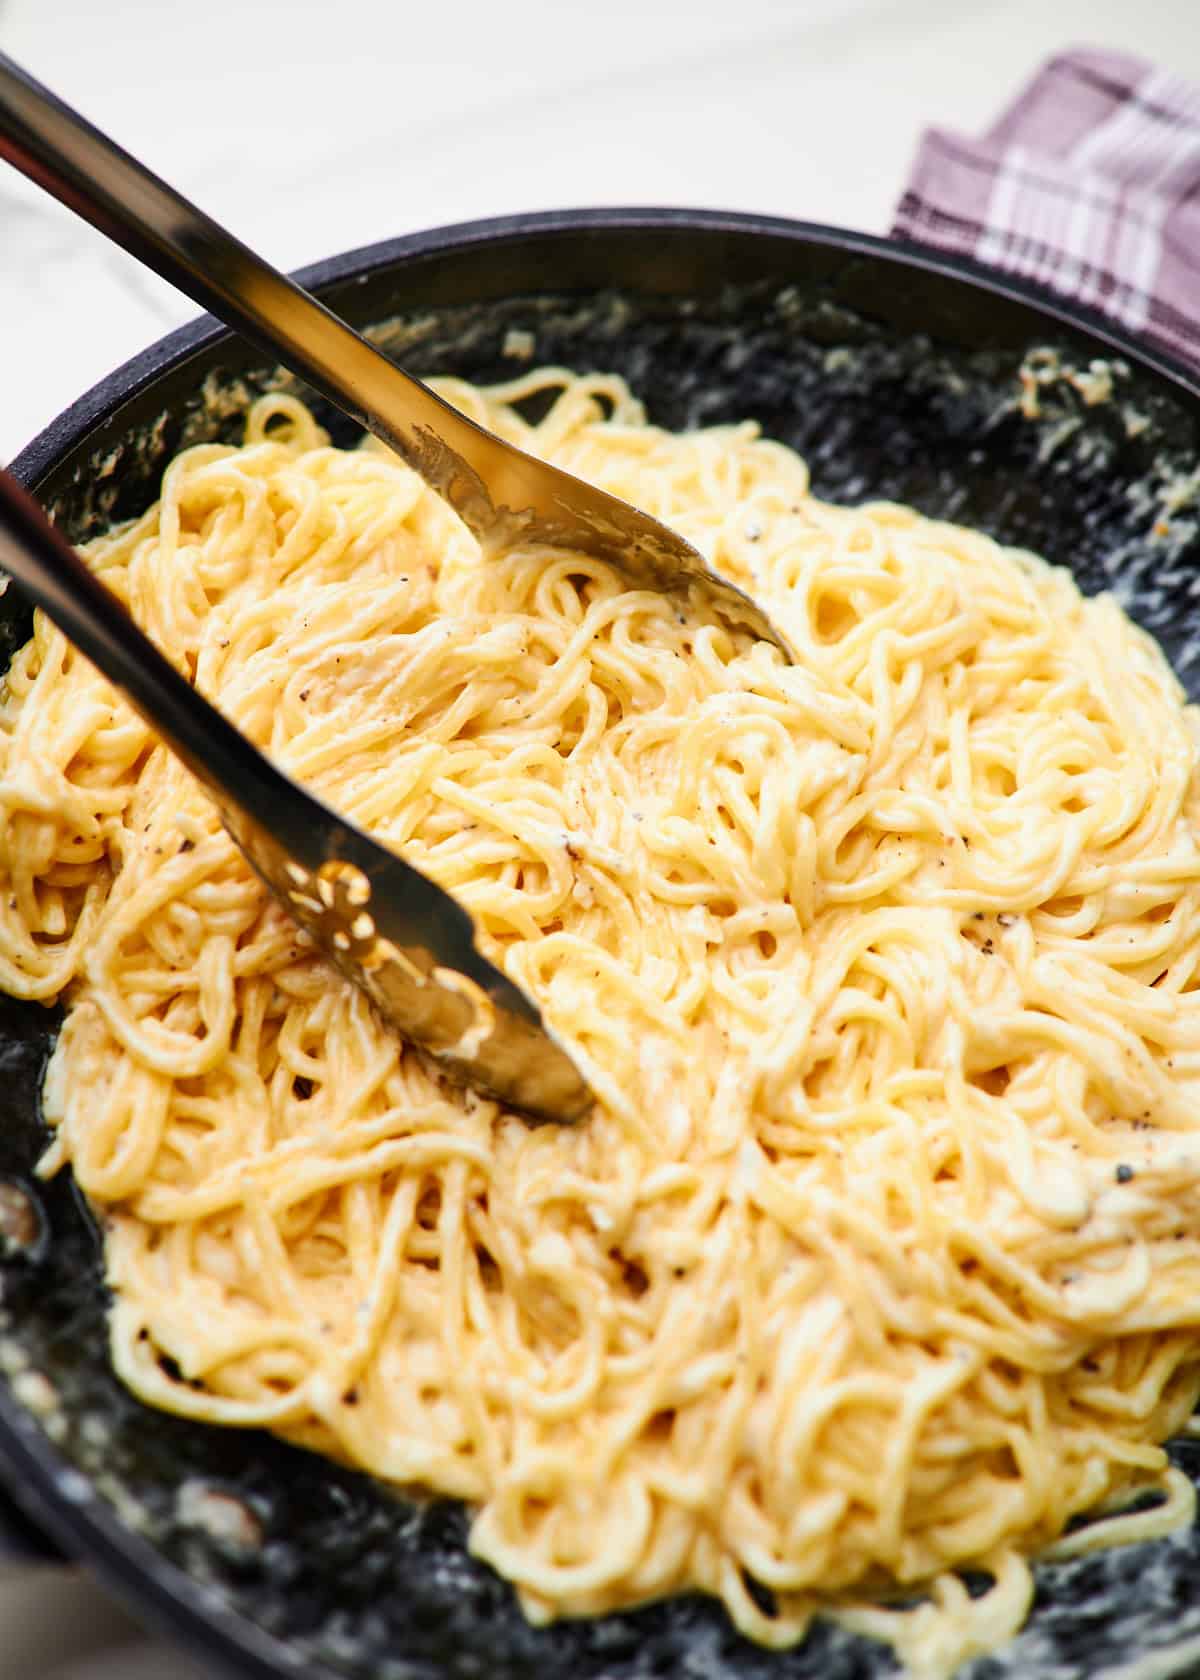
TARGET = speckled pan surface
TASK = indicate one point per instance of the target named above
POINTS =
(897, 376)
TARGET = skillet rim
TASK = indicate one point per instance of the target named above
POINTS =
(69, 428)
(44, 1486)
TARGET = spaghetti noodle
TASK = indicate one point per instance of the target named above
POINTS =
(880, 1255)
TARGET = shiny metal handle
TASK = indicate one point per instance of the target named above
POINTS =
(500, 492)
(56, 147)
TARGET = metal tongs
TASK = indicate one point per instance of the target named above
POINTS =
(386, 926)
(408, 944)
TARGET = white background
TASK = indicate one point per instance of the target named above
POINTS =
(311, 126)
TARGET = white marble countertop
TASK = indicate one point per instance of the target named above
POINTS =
(312, 127)
(309, 140)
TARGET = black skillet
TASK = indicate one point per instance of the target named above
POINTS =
(898, 374)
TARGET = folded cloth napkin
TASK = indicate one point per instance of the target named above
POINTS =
(1089, 183)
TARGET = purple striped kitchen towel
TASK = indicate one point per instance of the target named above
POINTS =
(1088, 183)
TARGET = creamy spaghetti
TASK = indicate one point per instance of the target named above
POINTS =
(880, 1255)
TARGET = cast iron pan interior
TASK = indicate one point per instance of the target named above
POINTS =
(897, 375)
